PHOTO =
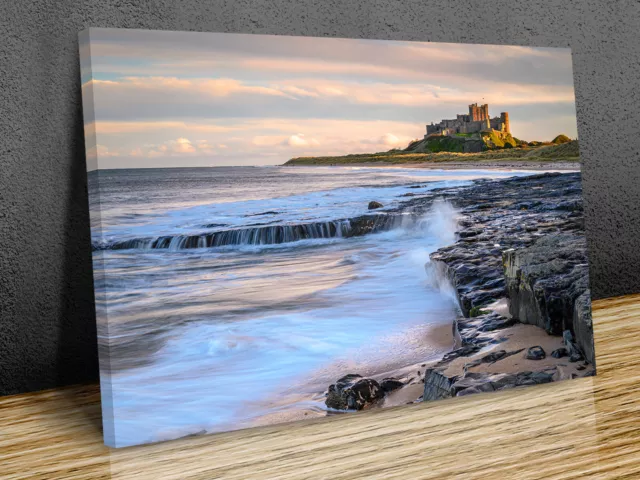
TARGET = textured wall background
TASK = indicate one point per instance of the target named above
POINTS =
(47, 321)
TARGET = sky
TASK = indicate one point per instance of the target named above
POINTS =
(182, 99)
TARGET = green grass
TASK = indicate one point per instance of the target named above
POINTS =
(444, 144)
(466, 135)
(477, 311)
(566, 152)
(561, 139)
(495, 139)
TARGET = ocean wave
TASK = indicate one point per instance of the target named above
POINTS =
(256, 236)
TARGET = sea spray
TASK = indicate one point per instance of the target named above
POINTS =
(443, 221)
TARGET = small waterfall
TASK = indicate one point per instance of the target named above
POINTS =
(267, 235)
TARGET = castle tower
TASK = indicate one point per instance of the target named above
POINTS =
(504, 118)
(473, 112)
(478, 113)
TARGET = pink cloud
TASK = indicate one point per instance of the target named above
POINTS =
(299, 140)
(178, 147)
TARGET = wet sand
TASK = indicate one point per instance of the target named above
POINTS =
(412, 374)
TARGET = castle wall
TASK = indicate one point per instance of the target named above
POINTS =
(477, 121)
(473, 127)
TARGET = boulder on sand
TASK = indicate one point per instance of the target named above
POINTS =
(535, 353)
(390, 384)
(352, 392)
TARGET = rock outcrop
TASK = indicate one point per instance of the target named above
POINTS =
(437, 385)
(583, 326)
(545, 279)
(523, 238)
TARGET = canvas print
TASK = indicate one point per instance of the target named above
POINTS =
(285, 228)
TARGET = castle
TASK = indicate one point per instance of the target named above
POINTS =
(476, 121)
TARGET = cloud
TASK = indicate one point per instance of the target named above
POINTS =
(388, 140)
(218, 87)
(204, 146)
(179, 147)
(100, 151)
(299, 140)
(428, 94)
(182, 145)
(106, 127)
(267, 140)
(166, 101)
(191, 54)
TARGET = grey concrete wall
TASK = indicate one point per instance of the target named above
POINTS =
(47, 330)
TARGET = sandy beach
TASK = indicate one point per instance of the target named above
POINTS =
(488, 165)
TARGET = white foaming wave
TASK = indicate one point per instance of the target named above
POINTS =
(443, 221)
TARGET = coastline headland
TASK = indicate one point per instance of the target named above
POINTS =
(441, 151)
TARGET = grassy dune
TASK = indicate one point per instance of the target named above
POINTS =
(566, 152)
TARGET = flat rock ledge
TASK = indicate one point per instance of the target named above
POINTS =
(523, 238)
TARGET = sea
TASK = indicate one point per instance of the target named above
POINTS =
(199, 335)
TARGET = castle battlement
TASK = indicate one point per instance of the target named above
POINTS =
(476, 120)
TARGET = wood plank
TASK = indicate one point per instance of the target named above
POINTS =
(584, 428)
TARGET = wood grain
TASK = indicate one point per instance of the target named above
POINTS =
(584, 428)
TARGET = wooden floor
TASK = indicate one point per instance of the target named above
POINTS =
(585, 428)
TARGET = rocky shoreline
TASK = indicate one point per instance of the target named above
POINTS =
(519, 272)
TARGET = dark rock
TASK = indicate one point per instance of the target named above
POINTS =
(535, 353)
(483, 382)
(370, 223)
(522, 238)
(494, 356)
(567, 339)
(362, 393)
(347, 381)
(352, 392)
(583, 326)
(373, 205)
(464, 351)
(575, 352)
(560, 352)
(576, 357)
(470, 232)
(390, 384)
(437, 385)
(544, 280)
